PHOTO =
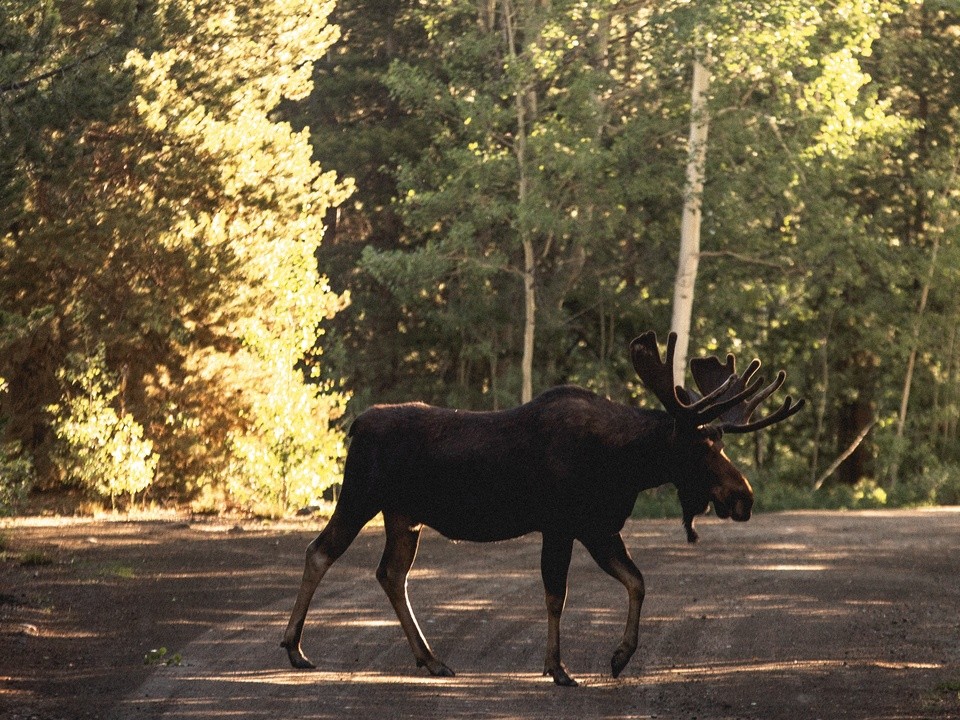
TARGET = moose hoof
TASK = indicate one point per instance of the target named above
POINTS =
(436, 668)
(560, 676)
(297, 659)
(620, 659)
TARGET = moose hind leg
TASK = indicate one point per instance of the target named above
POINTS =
(554, 566)
(329, 545)
(403, 538)
(611, 555)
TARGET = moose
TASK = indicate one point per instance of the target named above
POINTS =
(569, 464)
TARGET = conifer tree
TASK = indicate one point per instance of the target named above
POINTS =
(179, 230)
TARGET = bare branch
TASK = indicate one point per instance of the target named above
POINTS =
(789, 267)
(844, 455)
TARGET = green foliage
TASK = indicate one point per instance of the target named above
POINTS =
(156, 209)
(160, 656)
(776, 494)
(99, 449)
(523, 144)
(16, 462)
(657, 503)
(16, 474)
(936, 484)
(36, 558)
(293, 454)
(16, 477)
(156, 202)
(830, 212)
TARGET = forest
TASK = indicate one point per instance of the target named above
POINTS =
(226, 228)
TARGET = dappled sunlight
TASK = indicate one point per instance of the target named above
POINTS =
(448, 574)
(392, 622)
(225, 573)
(784, 547)
(869, 603)
(216, 692)
(468, 605)
(808, 552)
(377, 694)
(789, 568)
(741, 667)
(368, 677)
(721, 618)
(48, 632)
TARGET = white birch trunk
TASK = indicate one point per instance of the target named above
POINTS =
(524, 100)
(529, 319)
(685, 284)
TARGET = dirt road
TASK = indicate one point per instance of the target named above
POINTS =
(793, 615)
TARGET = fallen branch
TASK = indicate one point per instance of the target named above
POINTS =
(844, 455)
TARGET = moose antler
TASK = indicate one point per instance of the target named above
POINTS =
(711, 375)
(658, 377)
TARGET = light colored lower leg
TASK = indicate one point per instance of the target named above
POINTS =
(316, 567)
(403, 538)
(396, 590)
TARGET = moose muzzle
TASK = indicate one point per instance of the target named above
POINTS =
(736, 503)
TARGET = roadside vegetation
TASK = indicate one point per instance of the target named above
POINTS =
(226, 228)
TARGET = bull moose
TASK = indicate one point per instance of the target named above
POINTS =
(569, 465)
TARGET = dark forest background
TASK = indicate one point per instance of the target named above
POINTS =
(228, 227)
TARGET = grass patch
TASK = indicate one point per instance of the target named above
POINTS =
(949, 686)
(160, 656)
(117, 570)
(36, 558)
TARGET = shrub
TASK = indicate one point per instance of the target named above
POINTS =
(16, 476)
(16, 470)
(936, 484)
(289, 455)
(97, 448)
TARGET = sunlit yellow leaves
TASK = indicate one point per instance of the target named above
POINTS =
(256, 222)
(98, 448)
(850, 116)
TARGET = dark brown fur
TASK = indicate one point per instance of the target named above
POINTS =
(569, 465)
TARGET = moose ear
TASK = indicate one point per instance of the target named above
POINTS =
(657, 376)
(709, 373)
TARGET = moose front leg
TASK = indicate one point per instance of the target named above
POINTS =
(403, 538)
(329, 545)
(554, 566)
(611, 555)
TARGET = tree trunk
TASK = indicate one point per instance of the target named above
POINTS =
(855, 418)
(529, 320)
(851, 449)
(821, 410)
(912, 360)
(525, 105)
(690, 226)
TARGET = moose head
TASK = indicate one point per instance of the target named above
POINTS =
(724, 404)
